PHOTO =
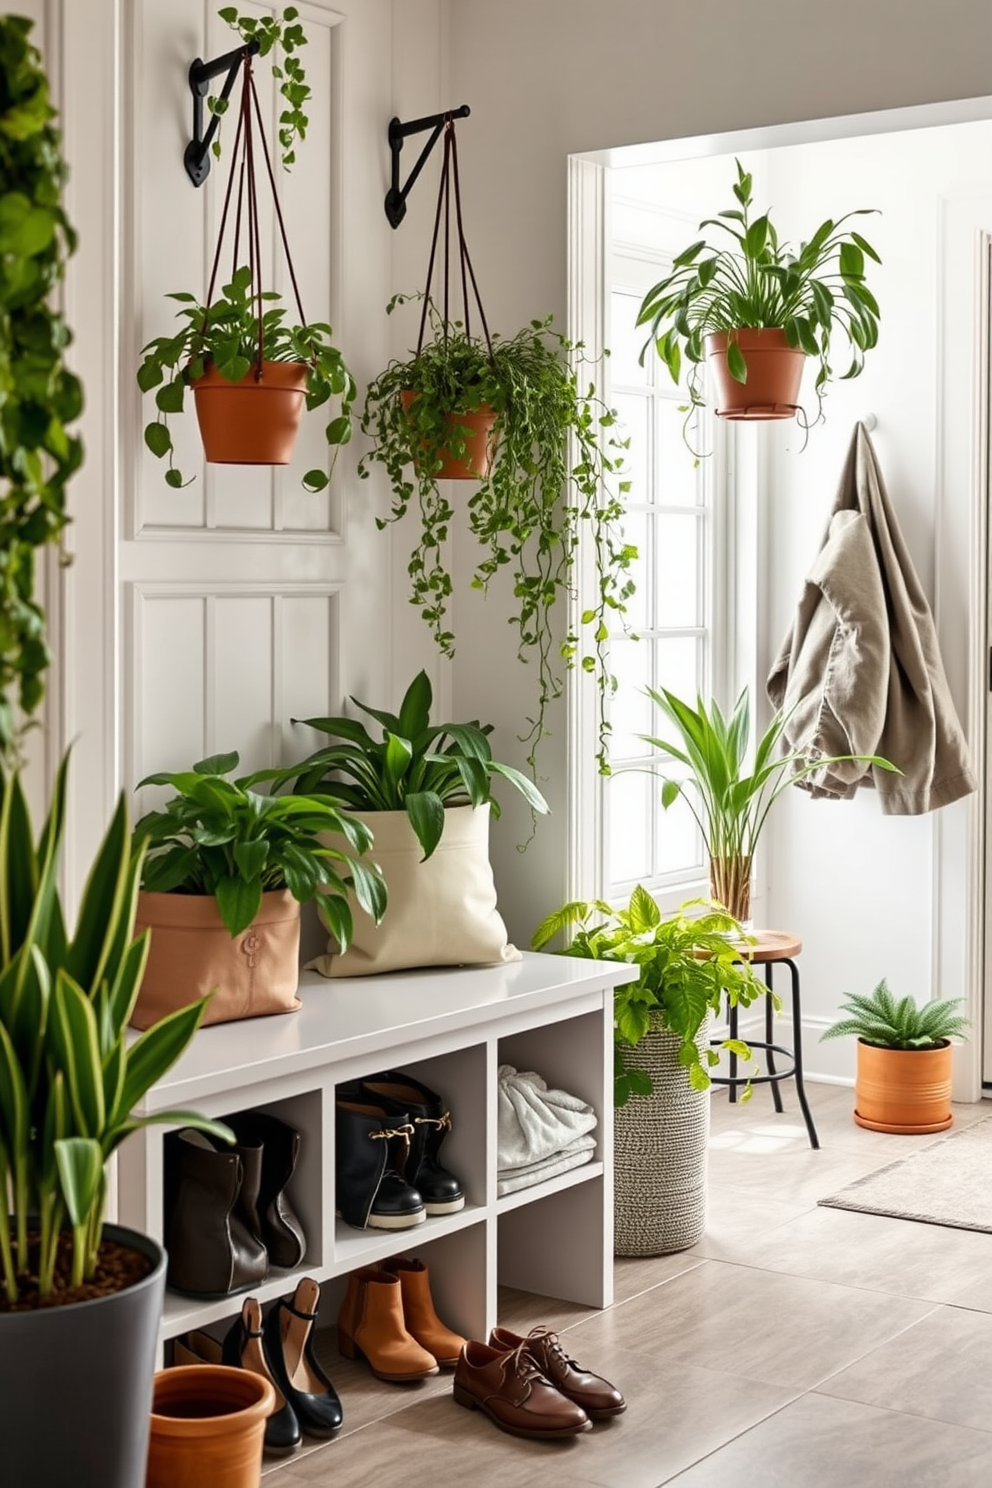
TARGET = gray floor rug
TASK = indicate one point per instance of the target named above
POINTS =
(947, 1183)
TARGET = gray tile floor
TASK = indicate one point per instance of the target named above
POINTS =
(793, 1347)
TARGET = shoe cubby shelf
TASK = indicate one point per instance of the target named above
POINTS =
(451, 1028)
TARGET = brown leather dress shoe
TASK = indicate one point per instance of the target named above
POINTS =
(597, 1397)
(514, 1394)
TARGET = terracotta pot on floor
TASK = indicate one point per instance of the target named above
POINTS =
(254, 421)
(208, 1427)
(774, 374)
(475, 430)
(906, 1091)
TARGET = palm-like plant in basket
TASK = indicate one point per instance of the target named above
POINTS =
(797, 300)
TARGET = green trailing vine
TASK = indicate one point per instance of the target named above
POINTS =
(556, 470)
(39, 396)
(286, 33)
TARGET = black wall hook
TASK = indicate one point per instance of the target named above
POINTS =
(396, 195)
(196, 156)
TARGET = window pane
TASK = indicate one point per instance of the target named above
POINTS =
(630, 827)
(633, 411)
(677, 569)
(626, 340)
(638, 528)
(632, 712)
(678, 668)
(678, 844)
(679, 482)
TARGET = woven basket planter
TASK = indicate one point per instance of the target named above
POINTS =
(660, 1145)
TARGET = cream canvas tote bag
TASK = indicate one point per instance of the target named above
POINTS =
(441, 912)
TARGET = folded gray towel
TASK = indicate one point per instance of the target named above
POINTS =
(533, 1122)
(510, 1179)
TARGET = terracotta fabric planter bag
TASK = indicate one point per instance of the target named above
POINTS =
(440, 913)
(191, 954)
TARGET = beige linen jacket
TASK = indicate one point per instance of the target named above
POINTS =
(860, 670)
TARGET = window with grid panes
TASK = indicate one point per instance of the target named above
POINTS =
(672, 519)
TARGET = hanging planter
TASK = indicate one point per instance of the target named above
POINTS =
(548, 468)
(251, 374)
(774, 374)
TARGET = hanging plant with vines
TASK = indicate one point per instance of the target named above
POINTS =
(39, 396)
(551, 468)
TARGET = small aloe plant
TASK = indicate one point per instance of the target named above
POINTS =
(890, 1024)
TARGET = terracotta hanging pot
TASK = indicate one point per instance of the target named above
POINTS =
(208, 1427)
(903, 1090)
(254, 421)
(192, 954)
(730, 885)
(475, 432)
(774, 374)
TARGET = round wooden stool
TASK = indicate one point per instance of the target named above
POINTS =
(773, 948)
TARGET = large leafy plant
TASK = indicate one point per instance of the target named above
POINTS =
(729, 793)
(555, 472)
(39, 396)
(688, 966)
(69, 1078)
(222, 837)
(416, 766)
(811, 293)
(880, 1019)
(226, 334)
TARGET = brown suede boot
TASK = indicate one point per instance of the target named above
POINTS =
(370, 1326)
(418, 1311)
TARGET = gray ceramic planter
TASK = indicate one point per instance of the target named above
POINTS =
(76, 1389)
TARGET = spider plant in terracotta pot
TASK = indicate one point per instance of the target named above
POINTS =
(757, 308)
(728, 792)
(548, 469)
(904, 1052)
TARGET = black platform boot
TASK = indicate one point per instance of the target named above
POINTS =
(274, 1146)
(371, 1153)
(397, 1091)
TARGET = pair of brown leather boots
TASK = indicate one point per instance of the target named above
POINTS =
(388, 1319)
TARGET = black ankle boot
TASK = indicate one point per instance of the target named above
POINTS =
(212, 1250)
(396, 1091)
(270, 1148)
(371, 1152)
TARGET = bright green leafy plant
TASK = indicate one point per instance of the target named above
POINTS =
(226, 334)
(222, 837)
(555, 452)
(39, 396)
(286, 33)
(729, 796)
(69, 1078)
(417, 767)
(688, 966)
(757, 282)
(880, 1019)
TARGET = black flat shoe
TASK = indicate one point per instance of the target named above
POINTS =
(293, 1365)
(242, 1349)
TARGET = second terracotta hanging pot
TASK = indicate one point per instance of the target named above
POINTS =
(774, 374)
(907, 1091)
(474, 431)
(254, 421)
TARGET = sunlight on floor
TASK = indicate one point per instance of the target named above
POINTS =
(760, 1139)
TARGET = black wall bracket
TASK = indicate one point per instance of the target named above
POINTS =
(196, 156)
(396, 195)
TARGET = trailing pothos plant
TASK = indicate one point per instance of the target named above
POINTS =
(757, 282)
(688, 965)
(556, 463)
(70, 1078)
(39, 396)
(223, 837)
(286, 33)
(226, 333)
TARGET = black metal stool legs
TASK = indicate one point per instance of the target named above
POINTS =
(797, 1045)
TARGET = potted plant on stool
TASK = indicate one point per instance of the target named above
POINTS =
(688, 966)
(903, 1081)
